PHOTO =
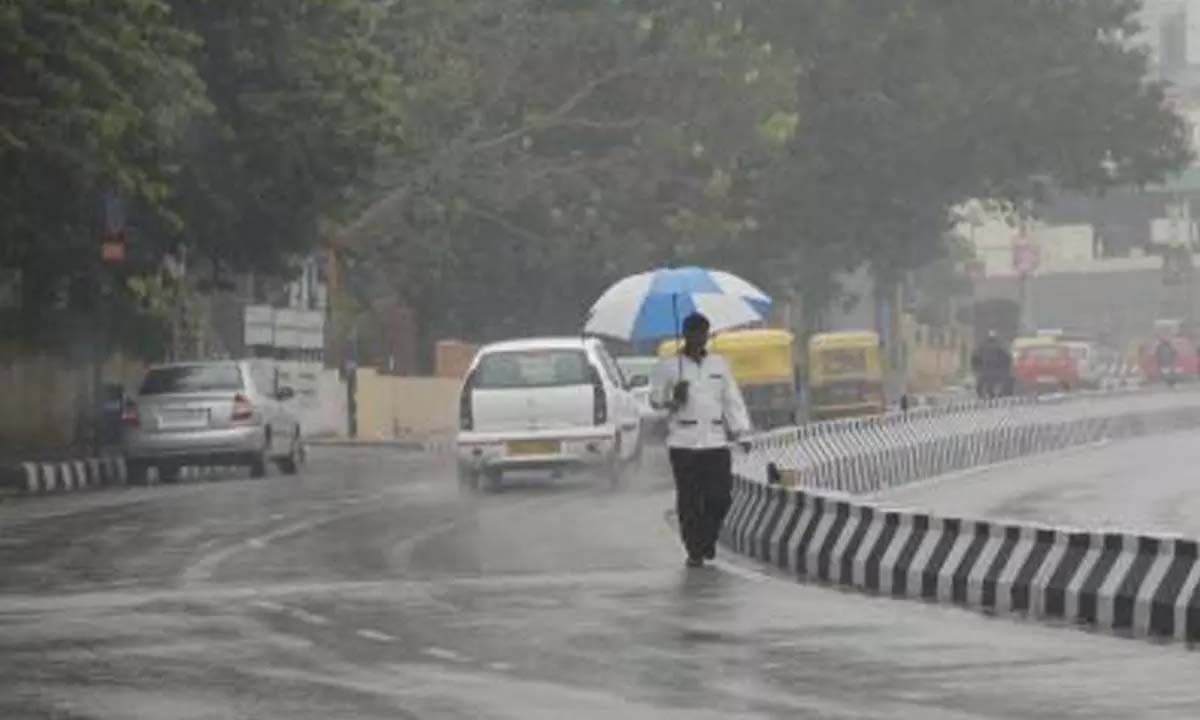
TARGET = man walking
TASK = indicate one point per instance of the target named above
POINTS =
(706, 413)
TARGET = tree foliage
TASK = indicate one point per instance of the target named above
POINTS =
(92, 99)
(557, 146)
(493, 164)
(561, 145)
(228, 126)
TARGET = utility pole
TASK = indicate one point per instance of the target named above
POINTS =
(1025, 262)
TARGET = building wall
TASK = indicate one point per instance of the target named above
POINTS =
(321, 400)
(395, 406)
(48, 401)
(1119, 298)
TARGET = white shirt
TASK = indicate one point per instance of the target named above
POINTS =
(714, 413)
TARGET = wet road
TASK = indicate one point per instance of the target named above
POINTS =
(368, 588)
(1147, 484)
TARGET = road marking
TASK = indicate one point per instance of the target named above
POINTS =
(413, 590)
(268, 605)
(277, 516)
(306, 617)
(202, 569)
(369, 634)
(444, 654)
(500, 666)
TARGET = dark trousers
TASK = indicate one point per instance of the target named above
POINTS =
(703, 494)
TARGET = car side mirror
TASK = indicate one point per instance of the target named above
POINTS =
(638, 381)
(285, 393)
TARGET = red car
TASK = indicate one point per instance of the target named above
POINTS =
(1187, 364)
(1046, 367)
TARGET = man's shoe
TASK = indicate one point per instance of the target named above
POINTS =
(695, 562)
(710, 554)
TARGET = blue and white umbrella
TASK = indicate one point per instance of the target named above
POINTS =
(650, 305)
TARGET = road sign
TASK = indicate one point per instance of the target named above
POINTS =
(112, 250)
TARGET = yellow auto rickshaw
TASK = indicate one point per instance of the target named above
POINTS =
(845, 373)
(762, 364)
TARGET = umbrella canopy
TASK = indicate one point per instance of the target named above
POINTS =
(650, 305)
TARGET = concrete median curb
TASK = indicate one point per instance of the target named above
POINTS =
(1129, 584)
(64, 476)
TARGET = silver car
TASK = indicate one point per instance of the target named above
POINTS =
(210, 413)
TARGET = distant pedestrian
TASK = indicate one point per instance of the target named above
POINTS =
(1165, 357)
(706, 414)
(992, 365)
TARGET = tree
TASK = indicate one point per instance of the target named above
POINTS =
(92, 100)
(557, 146)
(305, 99)
(908, 108)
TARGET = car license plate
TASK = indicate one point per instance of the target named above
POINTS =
(177, 419)
(534, 447)
(1047, 379)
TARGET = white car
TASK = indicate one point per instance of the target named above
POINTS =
(639, 370)
(545, 404)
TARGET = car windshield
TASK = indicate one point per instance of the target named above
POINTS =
(844, 362)
(532, 368)
(191, 378)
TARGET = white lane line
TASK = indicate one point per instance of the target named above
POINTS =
(203, 569)
(277, 516)
(306, 617)
(444, 654)
(269, 606)
(375, 635)
(500, 666)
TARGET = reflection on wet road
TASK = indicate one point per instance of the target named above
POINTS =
(369, 588)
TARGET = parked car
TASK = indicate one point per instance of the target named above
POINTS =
(638, 371)
(545, 404)
(219, 413)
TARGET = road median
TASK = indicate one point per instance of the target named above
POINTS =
(1129, 584)
(794, 509)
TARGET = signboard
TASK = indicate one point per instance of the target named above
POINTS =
(285, 328)
(112, 246)
(112, 251)
(259, 325)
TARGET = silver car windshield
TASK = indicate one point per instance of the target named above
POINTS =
(192, 378)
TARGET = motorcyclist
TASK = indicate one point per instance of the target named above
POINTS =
(992, 365)
(1164, 356)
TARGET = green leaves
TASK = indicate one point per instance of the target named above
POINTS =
(496, 163)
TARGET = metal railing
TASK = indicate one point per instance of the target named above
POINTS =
(869, 454)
